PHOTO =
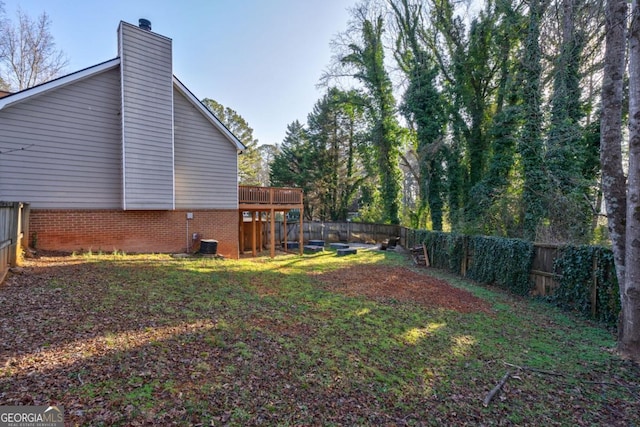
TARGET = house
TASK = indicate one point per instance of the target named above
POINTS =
(121, 156)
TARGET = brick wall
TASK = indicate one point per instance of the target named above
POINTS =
(132, 231)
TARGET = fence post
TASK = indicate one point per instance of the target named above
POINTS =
(26, 211)
(15, 215)
(465, 256)
(594, 286)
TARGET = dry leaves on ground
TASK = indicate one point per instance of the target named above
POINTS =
(385, 283)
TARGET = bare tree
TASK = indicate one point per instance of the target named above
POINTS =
(3, 85)
(622, 196)
(267, 154)
(28, 55)
(629, 339)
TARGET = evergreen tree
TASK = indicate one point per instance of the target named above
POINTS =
(249, 162)
(294, 166)
(334, 127)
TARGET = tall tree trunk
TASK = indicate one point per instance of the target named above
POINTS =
(367, 60)
(629, 334)
(530, 143)
(613, 180)
(422, 106)
(565, 105)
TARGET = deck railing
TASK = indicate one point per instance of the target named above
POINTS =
(269, 195)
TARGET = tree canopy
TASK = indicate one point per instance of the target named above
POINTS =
(250, 162)
(483, 122)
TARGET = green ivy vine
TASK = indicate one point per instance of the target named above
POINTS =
(503, 262)
(507, 263)
(575, 268)
(492, 260)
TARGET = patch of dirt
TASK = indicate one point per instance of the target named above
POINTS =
(384, 283)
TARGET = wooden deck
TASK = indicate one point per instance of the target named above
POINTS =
(263, 198)
(267, 200)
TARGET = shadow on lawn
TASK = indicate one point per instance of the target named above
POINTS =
(134, 340)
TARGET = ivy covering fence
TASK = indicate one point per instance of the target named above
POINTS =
(583, 277)
(586, 275)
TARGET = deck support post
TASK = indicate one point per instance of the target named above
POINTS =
(253, 234)
(260, 232)
(272, 248)
(301, 244)
(267, 201)
(241, 234)
(284, 229)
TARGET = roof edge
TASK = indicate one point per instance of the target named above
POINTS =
(25, 94)
(208, 114)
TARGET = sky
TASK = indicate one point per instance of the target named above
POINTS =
(262, 58)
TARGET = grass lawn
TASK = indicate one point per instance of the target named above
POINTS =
(314, 340)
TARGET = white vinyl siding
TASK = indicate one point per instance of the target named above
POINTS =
(68, 143)
(206, 164)
(147, 88)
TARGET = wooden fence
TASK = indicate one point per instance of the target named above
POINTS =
(542, 271)
(355, 232)
(14, 224)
